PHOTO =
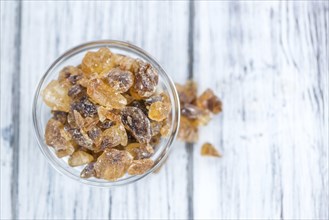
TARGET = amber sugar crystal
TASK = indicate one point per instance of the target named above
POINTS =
(197, 111)
(208, 149)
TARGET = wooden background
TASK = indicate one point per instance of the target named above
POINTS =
(268, 61)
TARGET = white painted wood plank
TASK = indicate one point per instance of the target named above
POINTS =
(9, 124)
(269, 64)
(49, 29)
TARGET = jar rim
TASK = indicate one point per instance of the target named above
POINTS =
(122, 45)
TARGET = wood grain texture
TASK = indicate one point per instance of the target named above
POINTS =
(10, 78)
(268, 61)
(269, 64)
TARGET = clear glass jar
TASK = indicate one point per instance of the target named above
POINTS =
(41, 112)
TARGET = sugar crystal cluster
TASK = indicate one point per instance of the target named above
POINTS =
(196, 111)
(107, 115)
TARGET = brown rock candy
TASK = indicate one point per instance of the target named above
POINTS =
(196, 115)
(80, 137)
(90, 122)
(139, 151)
(114, 136)
(128, 63)
(95, 134)
(55, 96)
(155, 127)
(60, 116)
(77, 92)
(57, 138)
(85, 107)
(146, 79)
(139, 104)
(112, 164)
(139, 167)
(105, 124)
(209, 101)
(79, 158)
(208, 149)
(104, 113)
(97, 62)
(187, 93)
(102, 94)
(159, 111)
(69, 75)
(119, 80)
(137, 123)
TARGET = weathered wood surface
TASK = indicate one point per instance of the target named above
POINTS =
(267, 60)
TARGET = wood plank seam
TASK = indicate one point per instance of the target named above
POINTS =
(16, 115)
(189, 146)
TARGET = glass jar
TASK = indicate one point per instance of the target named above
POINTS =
(42, 113)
